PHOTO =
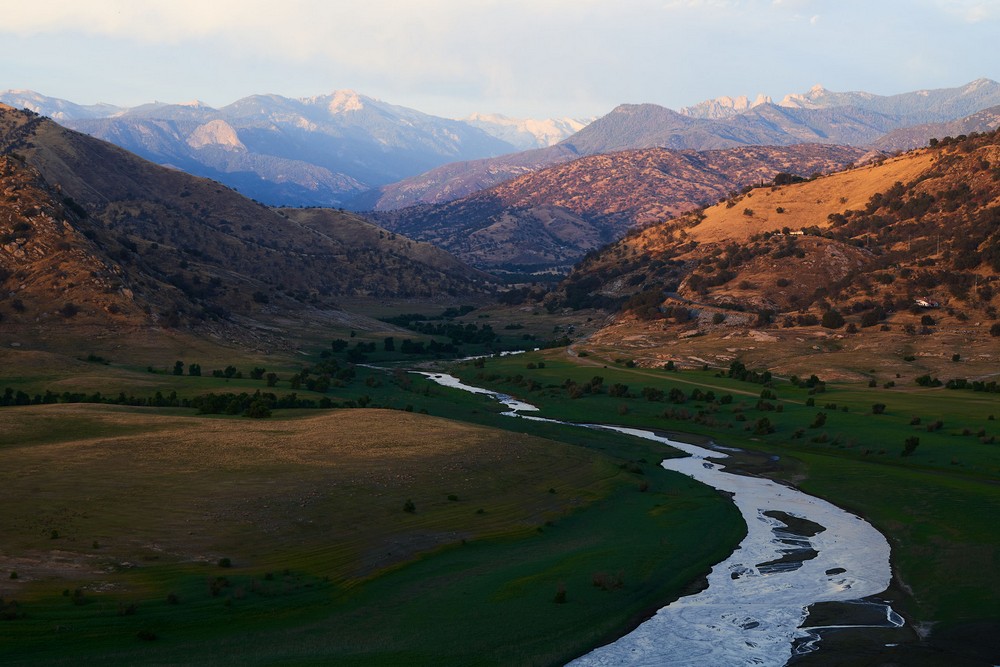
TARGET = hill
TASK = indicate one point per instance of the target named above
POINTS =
(95, 235)
(899, 255)
(551, 218)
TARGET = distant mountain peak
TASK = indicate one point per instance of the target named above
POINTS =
(527, 133)
(342, 101)
(725, 106)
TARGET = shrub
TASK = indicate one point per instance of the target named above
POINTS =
(878, 409)
(225, 562)
(560, 596)
(409, 507)
(832, 319)
(910, 445)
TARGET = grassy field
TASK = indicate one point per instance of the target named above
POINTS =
(125, 516)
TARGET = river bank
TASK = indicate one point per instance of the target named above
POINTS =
(799, 551)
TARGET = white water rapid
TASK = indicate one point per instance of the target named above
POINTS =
(799, 550)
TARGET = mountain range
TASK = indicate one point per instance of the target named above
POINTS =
(347, 149)
(818, 116)
(317, 151)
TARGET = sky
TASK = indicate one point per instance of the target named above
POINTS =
(521, 58)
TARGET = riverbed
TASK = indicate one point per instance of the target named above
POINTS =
(799, 551)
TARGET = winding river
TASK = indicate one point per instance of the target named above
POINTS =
(798, 551)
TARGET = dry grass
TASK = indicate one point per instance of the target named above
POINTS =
(148, 486)
(807, 204)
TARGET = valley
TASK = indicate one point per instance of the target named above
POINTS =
(221, 444)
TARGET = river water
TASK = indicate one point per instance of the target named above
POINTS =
(799, 550)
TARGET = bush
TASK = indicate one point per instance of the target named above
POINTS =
(910, 445)
(878, 409)
(409, 507)
(832, 319)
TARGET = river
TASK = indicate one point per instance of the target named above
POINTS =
(799, 550)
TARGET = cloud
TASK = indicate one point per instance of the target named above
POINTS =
(970, 11)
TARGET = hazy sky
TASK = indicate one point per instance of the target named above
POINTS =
(518, 57)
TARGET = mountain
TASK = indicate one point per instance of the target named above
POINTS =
(877, 246)
(724, 107)
(312, 151)
(819, 116)
(527, 134)
(460, 179)
(60, 110)
(552, 217)
(921, 106)
(125, 242)
(918, 135)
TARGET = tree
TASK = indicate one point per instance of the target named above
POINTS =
(258, 410)
(178, 368)
(194, 370)
(910, 445)
(389, 345)
(832, 319)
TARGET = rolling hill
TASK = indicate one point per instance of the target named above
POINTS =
(902, 254)
(551, 218)
(95, 235)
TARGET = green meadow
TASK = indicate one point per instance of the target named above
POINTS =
(429, 529)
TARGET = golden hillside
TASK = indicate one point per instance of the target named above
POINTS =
(908, 249)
